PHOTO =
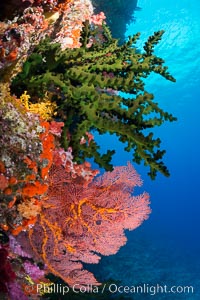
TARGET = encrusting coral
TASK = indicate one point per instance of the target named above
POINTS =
(61, 20)
(86, 82)
(25, 159)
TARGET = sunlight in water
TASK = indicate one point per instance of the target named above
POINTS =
(179, 43)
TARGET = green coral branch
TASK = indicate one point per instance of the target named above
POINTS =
(86, 82)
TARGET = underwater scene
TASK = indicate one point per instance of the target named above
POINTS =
(99, 156)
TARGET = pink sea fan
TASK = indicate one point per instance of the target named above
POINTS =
(79, 223)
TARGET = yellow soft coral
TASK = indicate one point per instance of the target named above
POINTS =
(46, 109)
(25, 99)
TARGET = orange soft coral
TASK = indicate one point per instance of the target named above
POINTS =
(34, 189)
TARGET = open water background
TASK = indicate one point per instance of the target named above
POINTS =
(165, 250)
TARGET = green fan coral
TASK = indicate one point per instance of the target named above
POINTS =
(86, 82)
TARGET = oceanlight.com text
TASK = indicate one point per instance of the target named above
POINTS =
(150, 289)
(111, 288)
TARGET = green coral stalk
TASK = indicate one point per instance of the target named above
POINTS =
(86, 82)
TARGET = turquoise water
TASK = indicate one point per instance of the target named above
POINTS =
(165, 249)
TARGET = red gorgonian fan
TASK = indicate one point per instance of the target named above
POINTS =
(80, 222)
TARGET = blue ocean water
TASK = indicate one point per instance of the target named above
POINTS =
(165, 250)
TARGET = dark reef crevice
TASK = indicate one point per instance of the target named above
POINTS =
(118, 14)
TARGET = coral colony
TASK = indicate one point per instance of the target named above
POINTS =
(61, 78)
